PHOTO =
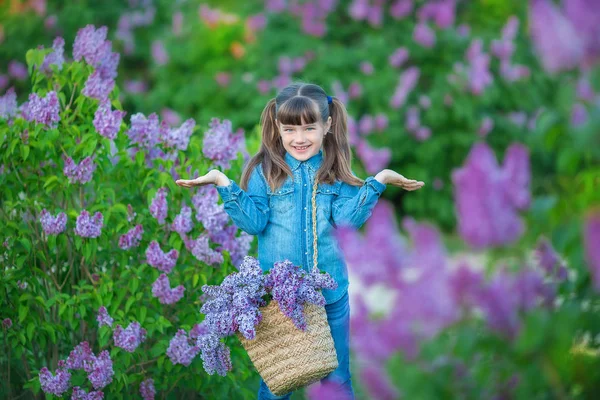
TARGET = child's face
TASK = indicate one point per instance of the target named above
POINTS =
(303, 141)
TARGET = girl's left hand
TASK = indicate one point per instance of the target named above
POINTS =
(387, 176)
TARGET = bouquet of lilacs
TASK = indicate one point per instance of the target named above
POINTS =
(234, 305)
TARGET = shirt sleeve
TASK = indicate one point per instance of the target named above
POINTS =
(354, 205)
(248, 210)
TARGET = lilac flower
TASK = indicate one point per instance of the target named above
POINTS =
(212, 215)
(159, 206)
(378, 383)
(359, 9)
(339, 92)
(381, 122)
(223, 79)
(134, 86)
(355, 90)
(55, 384)
(183, 222)
(422, 133)
(177, 23)
(17, 70)
(160, 260)
(79, 173)
(374, 160)
(8, 104)
(100, 369)
(200, 248)
(585, 91)
(263, 86)
(275, 6)
(424, 35)
(171, 117)
(97, 87)
(53, 225)
(366, 124)
(161, 288)
(442, 12)
(579, 115)
(130, 213)
(256, 22)
(144, 131)
(108, 122)
(487, 124)
(130, 338)
(220, 144)
(91, 44)
(325, 391)
(401, 8)
(463, 30)
(78, 356)
(367, 68)
(591, 237)
(56, 57)
(424, 102)
(80, 394)
(413, 119)
(7, 323)
(199, 330)
(159, 52)
(180, 351)
(489, 196)
(478, 71)
(237, 246)
(556, 40)
(179, 138)
(131, 238)
(50, 22)
(398, 57)
(147, 389)
(215, 355)
(22, 285)
(42, 110)
(103, 318)
(408, 81)
(87, 226)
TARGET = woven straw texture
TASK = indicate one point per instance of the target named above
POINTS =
(286, 357)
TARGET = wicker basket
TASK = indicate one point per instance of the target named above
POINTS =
(285, 357)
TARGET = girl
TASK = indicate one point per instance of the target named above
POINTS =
(304, 137)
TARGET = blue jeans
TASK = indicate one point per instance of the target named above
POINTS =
(338, 316)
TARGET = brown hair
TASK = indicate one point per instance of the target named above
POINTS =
(297, 104)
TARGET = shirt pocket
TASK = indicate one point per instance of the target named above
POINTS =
(281, 200)
(326, 195)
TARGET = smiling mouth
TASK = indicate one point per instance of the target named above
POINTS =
(301, 148)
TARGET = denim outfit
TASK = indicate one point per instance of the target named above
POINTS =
(282, 220)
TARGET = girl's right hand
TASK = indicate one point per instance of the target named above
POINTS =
(213, 176)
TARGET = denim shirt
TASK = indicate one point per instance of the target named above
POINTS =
(282, 219)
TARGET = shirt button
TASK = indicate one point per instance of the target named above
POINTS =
(306, 252)
(305, 208)
(305, 184)
(304, 229)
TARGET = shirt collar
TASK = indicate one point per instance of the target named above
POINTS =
(313, 163)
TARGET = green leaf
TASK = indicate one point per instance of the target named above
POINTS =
(142, 314)
(23, 311)
(129, 303)
(134, 284)
(24, 152)
(30, 329)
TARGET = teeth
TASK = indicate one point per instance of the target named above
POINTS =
(301, 148)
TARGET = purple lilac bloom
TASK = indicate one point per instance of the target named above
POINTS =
(130, 338)
(220, 144)
(424, 35)
(3, 81)
(160, 260)
(6, 323)
(263, 86)
(17, 70)
(183, 221)
(326, 391)
(161, 288)
(179, 138)
(212, 215)
(501, 311)
(50, 22)
(80, 394)
(56, 57)
(199, 330)
(412, 119)
(408, 81)
(144, 131)
(180, 350)
(134, 86)
(487, 196)
(256, 22)
(159, 52)
(555, 39)
(585, 91)
(237, 246)
(99, 369)
(354, 90)
(8, 104)
(359, 9)
(108, 122)
(373, 159)
(223, 79)
(215, 355)
(103, 318)
(381, 122)
(130, 213)
(339, 92)
(147, 389)
(97, 87)
(579, 115)
(442, 12)
(177, 23)
(200, 248)
(78, 356)
(378, 383)
(591, 238)
(398, 57)
(79, 173)
(424, 102)
(401, 8)
(53, 225)
(42, 110)
(131, 238)
(367, 68)
(55, 384)
(478, 71)
(487, 124)
(90, 44)
(366, 124)
(170, 117)
(159, 206)
(87, 226)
